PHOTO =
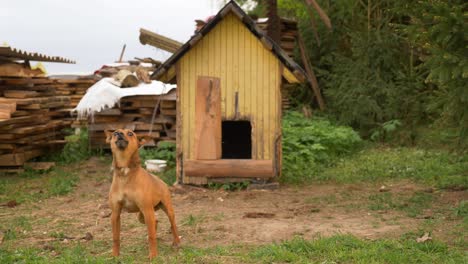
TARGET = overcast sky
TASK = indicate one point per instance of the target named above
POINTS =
(92, 32)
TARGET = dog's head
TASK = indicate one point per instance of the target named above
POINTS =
(124, 139)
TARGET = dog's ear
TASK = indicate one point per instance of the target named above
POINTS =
(108, 136)
(144, 139)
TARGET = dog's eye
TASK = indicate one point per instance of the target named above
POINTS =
(116, 133)
(130, 134)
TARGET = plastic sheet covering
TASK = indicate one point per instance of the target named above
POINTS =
(104, 94)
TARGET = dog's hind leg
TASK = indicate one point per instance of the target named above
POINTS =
(141, 219)
(167, 208)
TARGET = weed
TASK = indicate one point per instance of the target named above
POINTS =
(461, 210)
(23, 222)
(29, 173)
(219, 217)
(192, 220)
(383, 131)
(232, 186)
(62, 183)
(10, 234)
(57, 235)
(310, 144)
(76, 149)
(168, 176)
(164, 151)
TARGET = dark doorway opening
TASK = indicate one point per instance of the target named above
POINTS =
(236, 140)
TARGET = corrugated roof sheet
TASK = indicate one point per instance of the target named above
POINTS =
(9, 53)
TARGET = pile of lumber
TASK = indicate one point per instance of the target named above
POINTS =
(289, 33)
(285, 95)
(75, 89)
(33, 113)
(135, 113)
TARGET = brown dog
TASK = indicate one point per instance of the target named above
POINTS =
(136, 190)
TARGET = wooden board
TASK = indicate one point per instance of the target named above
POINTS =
(229, 168)
(208, 119)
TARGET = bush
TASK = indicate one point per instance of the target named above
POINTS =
(76, 149)
(310, 144)
(165, 151)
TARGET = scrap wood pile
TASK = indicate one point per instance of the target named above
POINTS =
(131, 99)
(135, 113)
(33, 113)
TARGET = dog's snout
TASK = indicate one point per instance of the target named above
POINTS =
(119, 135)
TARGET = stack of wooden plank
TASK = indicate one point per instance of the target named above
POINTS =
(33, 113)
(288, 33)
(285, 95)
(135, 112)
(75, 88)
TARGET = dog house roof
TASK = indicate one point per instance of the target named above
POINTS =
(232, 7)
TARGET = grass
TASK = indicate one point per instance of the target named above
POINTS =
(335, 249)
(413, 206)
(436, 168)
(32, 186)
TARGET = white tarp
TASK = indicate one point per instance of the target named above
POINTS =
(104, 94)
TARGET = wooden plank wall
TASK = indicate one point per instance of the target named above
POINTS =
(233, 54)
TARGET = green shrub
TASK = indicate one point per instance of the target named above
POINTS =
(76, 149)
(165, 151)
(309, 144)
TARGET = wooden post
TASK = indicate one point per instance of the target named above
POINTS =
(122, 53)
(310, 74)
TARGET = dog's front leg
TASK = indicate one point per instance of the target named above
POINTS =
(115, 220)
(150, 220)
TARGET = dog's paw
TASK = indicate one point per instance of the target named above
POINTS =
(176, 243)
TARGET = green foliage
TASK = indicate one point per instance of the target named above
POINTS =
(76, 149)
(165, 151)
(383, 131)
(437, 168)
(439, 29)
(309, 144)
(387, 60)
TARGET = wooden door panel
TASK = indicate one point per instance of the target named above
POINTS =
(208, 119)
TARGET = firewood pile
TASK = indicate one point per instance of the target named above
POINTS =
(288, 33)
(33, 113)
(135, 113)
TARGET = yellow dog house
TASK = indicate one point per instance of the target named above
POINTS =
(229, 77)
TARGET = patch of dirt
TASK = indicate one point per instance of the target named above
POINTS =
(216, 217)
